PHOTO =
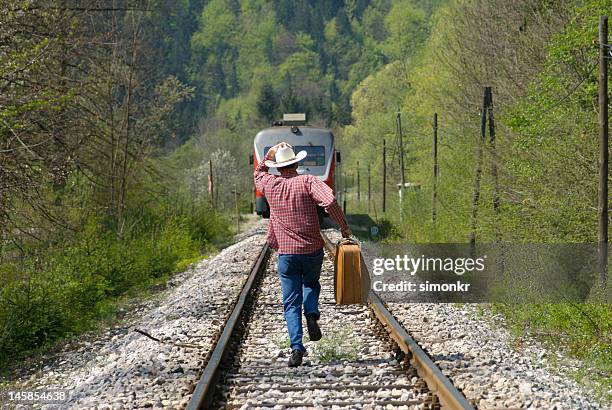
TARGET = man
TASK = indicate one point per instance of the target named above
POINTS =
(294, 232)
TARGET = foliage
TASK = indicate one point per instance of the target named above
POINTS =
(583, 331)
(544, 85)
(540, 61)
(406, 24)
(554, 143)
(110, 118)
(63, 288)
(91, 209)
(336, 345)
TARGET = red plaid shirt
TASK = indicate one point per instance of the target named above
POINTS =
(294, 224)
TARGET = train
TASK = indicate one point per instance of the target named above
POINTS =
(321, 159)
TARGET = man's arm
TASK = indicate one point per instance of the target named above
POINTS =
(261, 175)
(324, 197)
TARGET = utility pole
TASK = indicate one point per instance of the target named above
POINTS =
(435, 168)
(384, 185)
(478, 173)
(211, 186)
(369, 189)
(358, 186)
(493, 151)
(401, 161)
(602, 206)
(338, 180)
(344, 194)
(237, 209)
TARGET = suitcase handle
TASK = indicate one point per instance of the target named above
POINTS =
(346, 241)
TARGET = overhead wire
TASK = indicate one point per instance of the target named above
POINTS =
(505, 169)
(445, 130)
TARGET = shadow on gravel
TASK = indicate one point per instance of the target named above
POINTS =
(453, 357)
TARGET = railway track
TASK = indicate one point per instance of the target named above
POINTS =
(366, 359)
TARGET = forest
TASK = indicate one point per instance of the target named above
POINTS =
(111, 113)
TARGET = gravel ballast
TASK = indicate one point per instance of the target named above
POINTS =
(475, 350)
(352, 367)
(123, 369)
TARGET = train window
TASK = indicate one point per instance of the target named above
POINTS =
(315, 157)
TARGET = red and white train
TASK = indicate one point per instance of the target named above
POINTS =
(321, 158)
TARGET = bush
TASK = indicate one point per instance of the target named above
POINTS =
(63, 289)
(579, 330)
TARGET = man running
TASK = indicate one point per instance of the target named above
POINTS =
(294, 232)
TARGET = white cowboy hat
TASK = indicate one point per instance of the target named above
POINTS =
(285, 156)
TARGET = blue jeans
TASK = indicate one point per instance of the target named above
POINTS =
(299, 276)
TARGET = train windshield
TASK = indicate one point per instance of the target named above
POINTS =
(315, 155)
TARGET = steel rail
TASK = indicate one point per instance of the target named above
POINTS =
(450, 397)
(203, 395)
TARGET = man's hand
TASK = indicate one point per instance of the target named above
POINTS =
(347, 233)
(272, 151)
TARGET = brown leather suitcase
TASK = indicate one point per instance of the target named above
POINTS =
(351, 283)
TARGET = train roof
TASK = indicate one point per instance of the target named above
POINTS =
(312, 135)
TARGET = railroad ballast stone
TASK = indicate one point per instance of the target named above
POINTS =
(361, 372)
(476, 351)
(478, 357)
(121, 368)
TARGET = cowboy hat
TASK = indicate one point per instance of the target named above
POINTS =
(285, 156)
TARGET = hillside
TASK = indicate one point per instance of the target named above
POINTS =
(112, 118)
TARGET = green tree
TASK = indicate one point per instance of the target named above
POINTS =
(289, 102)
(407, 28)
(267, 104)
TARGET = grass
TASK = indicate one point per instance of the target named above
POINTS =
(579, 331)
(111, 315)
(334, 345)
(281, 341)
(337, 345)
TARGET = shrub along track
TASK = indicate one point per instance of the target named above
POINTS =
(365, 360)
(121, 368)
